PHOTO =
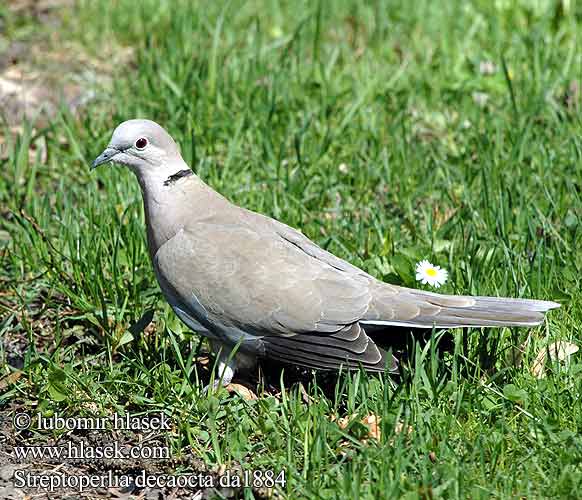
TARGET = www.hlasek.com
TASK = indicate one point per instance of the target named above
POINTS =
(83, 451)
(55, 481)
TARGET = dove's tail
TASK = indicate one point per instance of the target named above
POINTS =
(418, 309)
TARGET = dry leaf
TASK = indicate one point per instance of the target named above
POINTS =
(571, 97)
(242, 391)
(372, 422)
(537, 369)
(558, 351)
(91, 406)
(515, 354)
(562, 350)
(487, 68)
(442, 215)
(304, 396)
(343, 422)
(399, 427)
(9, 379)
(480, 98)
(344, 448)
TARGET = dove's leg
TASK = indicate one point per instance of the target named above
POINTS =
(226, 369)
(226, 363)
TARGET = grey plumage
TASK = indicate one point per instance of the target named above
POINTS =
(239, 277)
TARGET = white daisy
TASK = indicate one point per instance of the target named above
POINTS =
(428, 273)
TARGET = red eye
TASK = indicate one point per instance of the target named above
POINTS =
(141, 143)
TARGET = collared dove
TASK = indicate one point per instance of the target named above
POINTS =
(256, 285)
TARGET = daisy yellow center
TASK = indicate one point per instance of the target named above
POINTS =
(432, 272)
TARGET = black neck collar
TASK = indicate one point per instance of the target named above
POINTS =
(178, 175)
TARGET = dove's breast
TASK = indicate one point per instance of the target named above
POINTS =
(176, 271)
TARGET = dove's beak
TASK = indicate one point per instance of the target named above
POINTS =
(104, 157)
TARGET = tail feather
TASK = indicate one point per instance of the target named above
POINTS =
(426, 309)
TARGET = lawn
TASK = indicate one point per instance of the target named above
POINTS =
(389, 132)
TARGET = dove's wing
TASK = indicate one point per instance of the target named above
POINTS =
(258, 284)
(304, 310)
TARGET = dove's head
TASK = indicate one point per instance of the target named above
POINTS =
(143, 146)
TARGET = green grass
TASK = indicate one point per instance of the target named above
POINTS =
(360, 124)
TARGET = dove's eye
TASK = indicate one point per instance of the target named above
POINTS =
(141, 143)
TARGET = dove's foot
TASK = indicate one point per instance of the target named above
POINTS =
(224, 372)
